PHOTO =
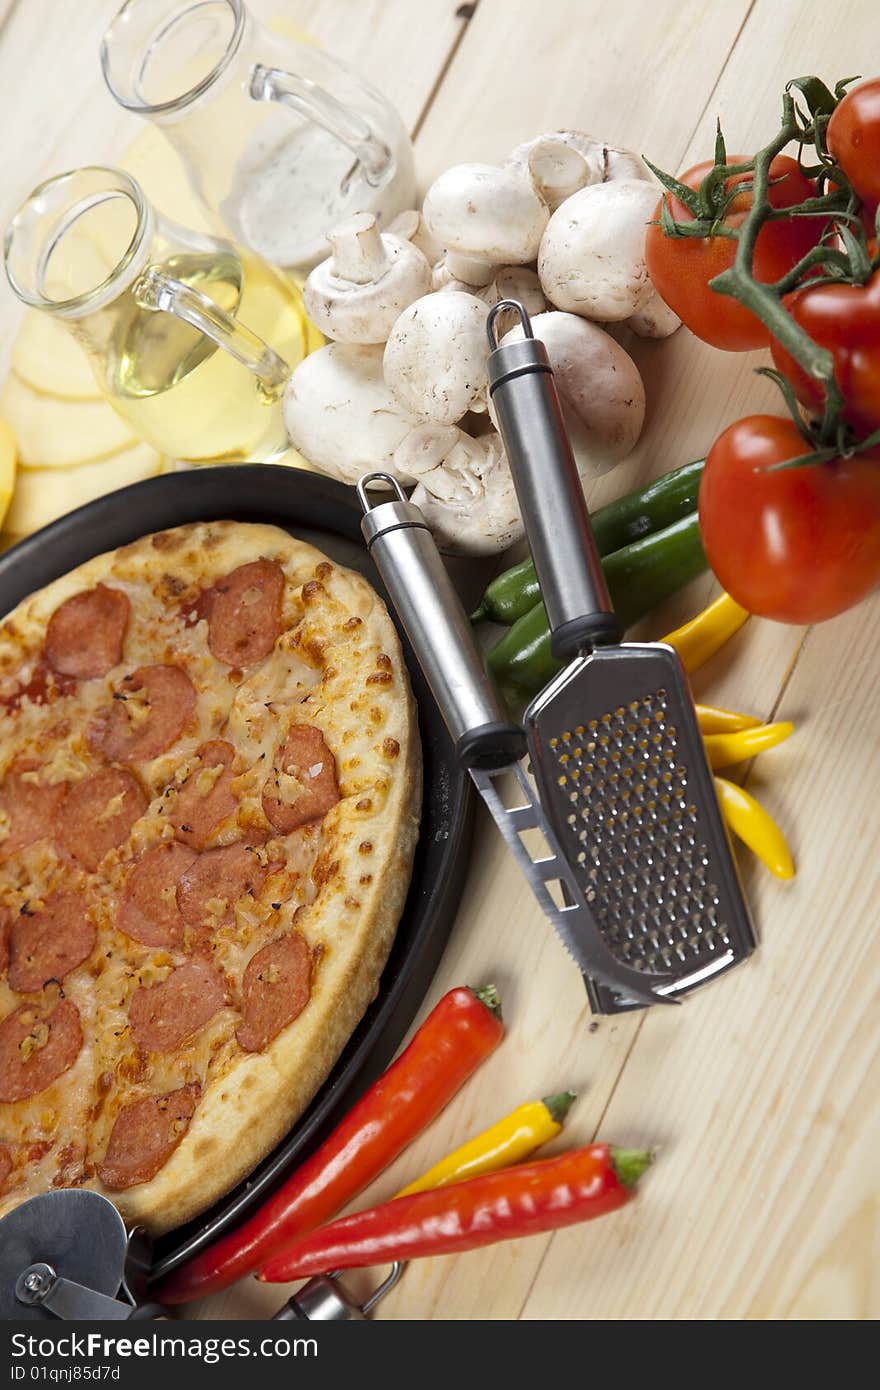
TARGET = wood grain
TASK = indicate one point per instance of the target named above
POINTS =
(759, 1093)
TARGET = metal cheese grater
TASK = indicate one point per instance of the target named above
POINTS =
(616, 750)
(487, 743)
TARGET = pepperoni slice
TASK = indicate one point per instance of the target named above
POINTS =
(206, 798)
(245, 613)
(302, 785)
(99, 814)
(6, 920)
(50, 943)
(6, 1165)
(148, 912)
(149, 711)
(275, 988)
(207, 892)
(84, 637)
(163, 1017)
(145, 1135)
(38, 1043)
(28, 806)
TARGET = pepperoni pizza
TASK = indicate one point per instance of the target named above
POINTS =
(210, 782)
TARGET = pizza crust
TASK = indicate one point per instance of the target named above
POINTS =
(340, 668)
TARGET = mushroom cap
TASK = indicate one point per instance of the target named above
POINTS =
(468, 498)
(490, 213)
(600, 389)
(340, 414)
(592, 256)
(410, 226)
(654, 319)
(350, 312)
(558, 177)
(435, 357)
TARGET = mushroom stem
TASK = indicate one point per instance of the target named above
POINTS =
(469, 269)
(358, 252)
(558, 170)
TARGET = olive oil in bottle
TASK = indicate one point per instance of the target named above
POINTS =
(189, 397)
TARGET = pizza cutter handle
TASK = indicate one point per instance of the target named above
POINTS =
(409, 563)
(549, 491)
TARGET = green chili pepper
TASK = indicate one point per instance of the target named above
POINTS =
(663, 501)
(639, 576)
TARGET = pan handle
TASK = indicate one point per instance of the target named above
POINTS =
(404, 553)
(549, 490)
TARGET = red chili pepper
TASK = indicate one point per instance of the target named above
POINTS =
(449, 1046)
(519, 1201)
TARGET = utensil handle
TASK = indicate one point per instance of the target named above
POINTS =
(404, 553)
(315, 104)
(161, 293)
(549, 490)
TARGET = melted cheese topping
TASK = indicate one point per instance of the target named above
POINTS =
(323, 672)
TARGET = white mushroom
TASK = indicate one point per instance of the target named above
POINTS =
(510, 282)
(340, 414)
(435, 357)
(344, 420)
(592, 256)
(464, 489)
(563, 161)
(600, 389)
(410, 226)
(358, 292)
(517, 282)
(442, 278)
(485, 216)
(655, 319)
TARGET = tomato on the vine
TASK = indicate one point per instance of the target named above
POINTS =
(845, 319)
(853, 138)
(797, 544)
(681, 267)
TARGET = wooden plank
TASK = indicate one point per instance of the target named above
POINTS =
(762, 1092)
(633, 73)
(763, 1085)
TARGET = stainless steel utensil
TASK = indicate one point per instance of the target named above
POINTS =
(66, 1254)
(616, 752)
(487, 743)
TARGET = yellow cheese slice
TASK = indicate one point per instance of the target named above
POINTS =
(48, 357)
(43, 494)
(54, 433)
(8, 456)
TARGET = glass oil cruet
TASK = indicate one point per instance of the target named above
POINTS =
(191, 338)
(280, 140)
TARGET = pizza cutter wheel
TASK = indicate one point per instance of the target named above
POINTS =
(67, 1254)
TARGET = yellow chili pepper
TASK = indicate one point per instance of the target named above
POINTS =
(725, 749)
(507, 1142)
(705, 634)
(713, 720)
(747, 818)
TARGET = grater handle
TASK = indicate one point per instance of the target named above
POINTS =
(549, 490)
(404, 553)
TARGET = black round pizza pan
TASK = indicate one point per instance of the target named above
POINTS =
(325, 514)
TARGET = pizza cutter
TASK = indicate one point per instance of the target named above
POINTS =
(66, 1254)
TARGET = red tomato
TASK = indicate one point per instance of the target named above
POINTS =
(681, 267)
(795, 544)
(845, 319)
(853, 138)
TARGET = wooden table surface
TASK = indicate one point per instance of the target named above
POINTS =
(761, 1093)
